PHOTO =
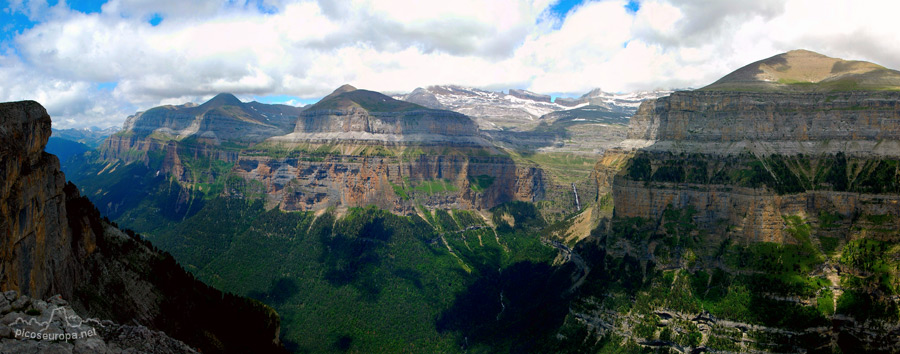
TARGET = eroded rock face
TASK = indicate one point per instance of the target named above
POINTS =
(392, 183)
(772, 131)
(720, 116)
(38, 254)
(756, 215)
(411, 122)
(357, 125)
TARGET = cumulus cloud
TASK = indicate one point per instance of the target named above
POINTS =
(306, 48)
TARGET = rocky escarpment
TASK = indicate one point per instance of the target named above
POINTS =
(54, 241)
(38, 256)
(747, 148)
(393, 183)
(853, 122)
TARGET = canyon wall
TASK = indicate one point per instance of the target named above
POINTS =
(393, 183)
(752, 157)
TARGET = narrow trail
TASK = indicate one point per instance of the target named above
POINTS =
(572, 256)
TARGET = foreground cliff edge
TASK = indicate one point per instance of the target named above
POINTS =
(54, 242)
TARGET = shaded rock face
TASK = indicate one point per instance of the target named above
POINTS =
(130, 149)
(718, 116)
(53, 241)
(392, 183)
(431, 122)
(38, 253)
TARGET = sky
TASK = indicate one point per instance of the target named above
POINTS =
(93, 63)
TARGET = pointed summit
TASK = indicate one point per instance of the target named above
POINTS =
(348, 96)
(340, 90)
(803, 70)
(222, 99)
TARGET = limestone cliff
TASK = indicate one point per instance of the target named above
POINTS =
(38, 255)
(393, 183)
(54, 241)
(852, 122)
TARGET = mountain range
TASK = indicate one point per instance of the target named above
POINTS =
(757, 214)
(520, 109)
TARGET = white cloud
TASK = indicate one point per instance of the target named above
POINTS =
(307, 48)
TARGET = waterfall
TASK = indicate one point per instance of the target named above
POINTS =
(577, 204)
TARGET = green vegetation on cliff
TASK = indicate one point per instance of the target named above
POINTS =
(669, 283)
(780, 173)
(372, 281)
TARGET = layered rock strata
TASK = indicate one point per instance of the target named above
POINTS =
(392, 183)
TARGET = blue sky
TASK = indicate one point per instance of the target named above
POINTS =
(95, 63)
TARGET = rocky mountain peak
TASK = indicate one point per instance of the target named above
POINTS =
(804, 70)
(597, 92)
(344, 88)
(222, 99)
(528, 95)
(26, 126)
(347, 97)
